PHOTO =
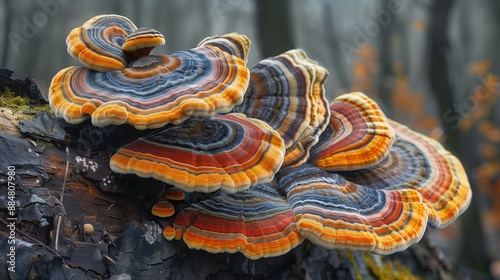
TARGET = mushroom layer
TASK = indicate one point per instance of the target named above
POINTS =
(421, 163)
(232, 43)
(287, 92)
(230, 152)
(338, 214)
(97, 44)
(257, 222)
(153, 90)
(358, 136)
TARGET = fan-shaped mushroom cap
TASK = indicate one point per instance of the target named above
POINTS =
(287, 92)
(256, 222)
(421, 163)
(141, 42)
(230, 152)
(358, 136)
(174, 193)
(232, 43)
(163, 209)
(153, 90)
(335, 213)
(169, 233)
(144, 37)
(109, 42)
(97, 43)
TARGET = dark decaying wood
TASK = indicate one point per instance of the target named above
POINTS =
(127, 241)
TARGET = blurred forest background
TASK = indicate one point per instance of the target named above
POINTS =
(433, 65)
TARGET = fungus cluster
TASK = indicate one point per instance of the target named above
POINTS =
(282, 163)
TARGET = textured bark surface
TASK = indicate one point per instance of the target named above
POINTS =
(127, 241)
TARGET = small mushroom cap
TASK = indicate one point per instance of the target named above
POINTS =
(232, 43)
(169, 233)
(142, 38)
(97, 44)
(287, 92)
(338, 214)
(88, 229)
(153, 90)
(163, 209)
(174, 193)
(256, 222)
(358, 136)
(418, 162)
(141, 42)
(230, 152)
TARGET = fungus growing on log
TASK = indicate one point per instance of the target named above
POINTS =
(338, 214)
(418, 162)
(358, 135)
(229, 152)
(110, 42)
(287, 92)
(257, 222)
(349, 178)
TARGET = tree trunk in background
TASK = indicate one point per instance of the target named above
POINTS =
(273, 25)
(472, 253)
(438, 67)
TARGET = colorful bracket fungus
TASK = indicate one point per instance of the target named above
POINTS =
(335, 213)
(230, 152)
(232, 43)
(358, 136)
(110, 42)
(290, 167)
(421, 163)
(287, 92)
(257, 222)
(174, 193)
(152, 91)
(163, 209)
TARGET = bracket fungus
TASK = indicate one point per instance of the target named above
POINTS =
(287, 92)
(335, 213)
(232, 43)
(358, 135)
(152, 91)
(418, 162)
(257, 222)
(229, 152)
(163, 209)
(110, 42)
(348, 178)
(174, 193)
